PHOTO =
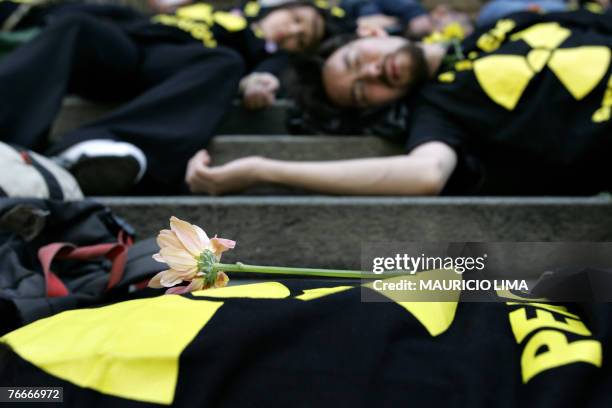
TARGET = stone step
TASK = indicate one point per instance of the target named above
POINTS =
(303, 148)
(323, 231)
(239, 142)
(76, 112)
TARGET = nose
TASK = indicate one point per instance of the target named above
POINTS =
(371, 70)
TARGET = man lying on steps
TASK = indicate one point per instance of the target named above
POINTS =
(521, 107)
(174, 75)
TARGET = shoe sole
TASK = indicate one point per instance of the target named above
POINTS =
(106, 175)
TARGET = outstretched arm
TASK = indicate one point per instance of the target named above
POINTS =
(424, 171)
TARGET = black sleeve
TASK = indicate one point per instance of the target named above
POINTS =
(275, 65)
(430, 124)
(116, 13)
(601, 22)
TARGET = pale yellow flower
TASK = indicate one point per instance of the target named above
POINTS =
(186, 248)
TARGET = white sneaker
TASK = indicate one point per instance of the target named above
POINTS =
(104, 167)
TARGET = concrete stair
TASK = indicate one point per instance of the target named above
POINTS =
(271, 121)
(245, 133)
(322, 231)
(227, 148)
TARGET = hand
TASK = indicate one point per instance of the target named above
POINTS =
(231, 177)
(259, 90)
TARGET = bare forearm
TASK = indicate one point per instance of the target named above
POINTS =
(424, 171)
(398, 175)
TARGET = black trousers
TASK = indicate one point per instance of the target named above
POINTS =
(175, 93)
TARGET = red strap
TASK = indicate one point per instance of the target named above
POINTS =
(25, 156)
(55, 287)
(116, 253)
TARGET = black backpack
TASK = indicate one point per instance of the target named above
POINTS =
(56, 256)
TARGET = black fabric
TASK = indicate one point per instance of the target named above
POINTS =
(389, 122)
(257, 55)
(44, 14)
(3, 193)
(336, 351)
(55, 189)
(177, 93)
(140, 262)
(578, 284)
(26, 225)
(549, 142)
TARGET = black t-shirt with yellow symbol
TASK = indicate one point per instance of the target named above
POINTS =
(310, 343)
(212, 27)
(527, 105)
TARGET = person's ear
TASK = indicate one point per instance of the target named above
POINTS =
(370, 31)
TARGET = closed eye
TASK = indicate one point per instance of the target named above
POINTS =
(351, 61)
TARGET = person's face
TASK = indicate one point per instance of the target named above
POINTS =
(373, 71)
(293, 29)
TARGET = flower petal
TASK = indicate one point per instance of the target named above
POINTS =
(222, 280)
(177, 290)
(192, 287)
(202, 235)
(220, 245)
(179, 260)
(195, 284)
(167, 238)
(155, 281)
(159, 258)
(188, 236)
(170, 278)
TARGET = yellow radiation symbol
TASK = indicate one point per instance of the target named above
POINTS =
(205, 13)
(197, 12)
(504, 78)
(252, 9)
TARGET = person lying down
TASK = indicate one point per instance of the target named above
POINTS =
(522, 106)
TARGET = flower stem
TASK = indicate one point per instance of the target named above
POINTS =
(281, 270)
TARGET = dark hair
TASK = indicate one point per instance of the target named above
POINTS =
(305, 82)
(315, 113)
(332, 25)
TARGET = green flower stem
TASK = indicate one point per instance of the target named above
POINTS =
(281, 270)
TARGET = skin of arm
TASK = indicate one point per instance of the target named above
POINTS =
(424, 171)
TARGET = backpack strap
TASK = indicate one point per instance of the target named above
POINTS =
(116, 253)
(55, 189)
